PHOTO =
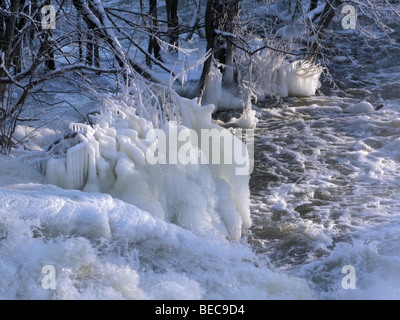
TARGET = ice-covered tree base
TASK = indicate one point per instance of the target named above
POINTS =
(299, 79)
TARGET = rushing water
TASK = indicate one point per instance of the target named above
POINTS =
(326, 188)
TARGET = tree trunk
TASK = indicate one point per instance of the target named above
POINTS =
(173, 22)
(220, 15)
(154, 46)
(96, 54)
(10, 28)
(326, 18)
(313, 5)
(211, 24)
(50, 62)
(7, 42)
(233, 12)
(89, 48)
(2, 23)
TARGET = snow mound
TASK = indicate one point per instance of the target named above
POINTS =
(362, 107)
(15, 172)
(103, 248)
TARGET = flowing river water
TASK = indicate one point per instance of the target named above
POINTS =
(326, 187)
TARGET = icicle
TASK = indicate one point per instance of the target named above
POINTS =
(77, 166)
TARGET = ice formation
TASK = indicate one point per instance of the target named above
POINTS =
(103, 248)
(362, 107)
(299, 79)
(207, 198)
(218, 95)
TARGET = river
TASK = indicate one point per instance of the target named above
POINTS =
(326, 188)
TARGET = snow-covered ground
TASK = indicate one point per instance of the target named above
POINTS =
(104, 248)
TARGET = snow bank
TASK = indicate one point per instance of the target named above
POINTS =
(13, 172)
(114, 158)
(299, 78)
(103, 248)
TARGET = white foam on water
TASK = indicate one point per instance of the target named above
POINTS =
(376, 275)
(333, 198)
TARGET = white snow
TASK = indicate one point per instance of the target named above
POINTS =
(362, 107)
(219, 96)
(298, 78)
(340, 58)
(15, 172)
(248, 120)
(135, 231)
(104, 248)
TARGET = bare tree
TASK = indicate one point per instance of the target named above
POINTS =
(327, 15)
(13, 92)
(378, 14)
(173, 22)
(219, 17)
(95, 39)
(31, 55)
(154, 45)
(28, 59)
